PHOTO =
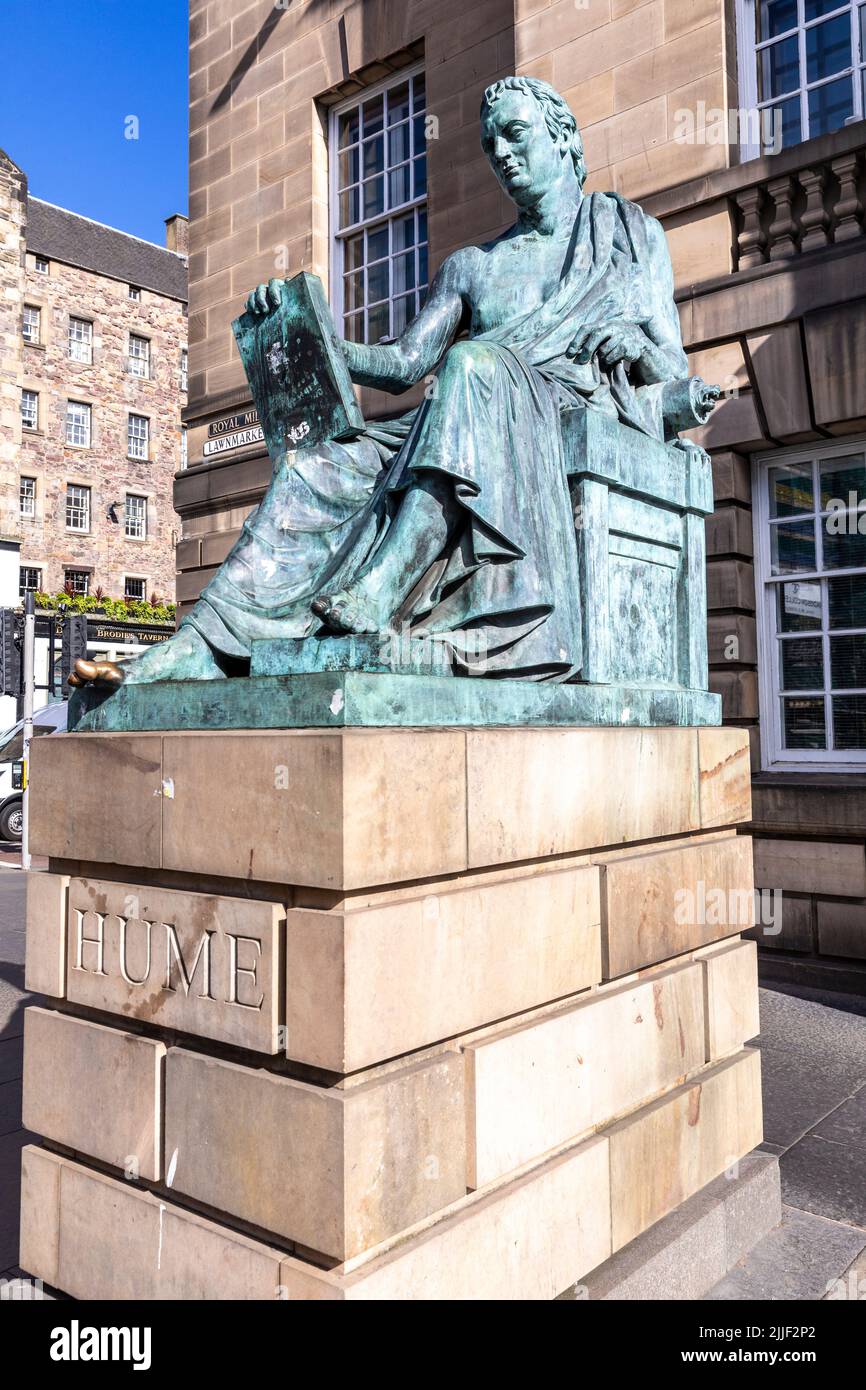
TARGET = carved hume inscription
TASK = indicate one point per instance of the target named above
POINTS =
(204, 964)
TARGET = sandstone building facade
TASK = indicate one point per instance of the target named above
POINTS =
(93, 368)
(341, 137)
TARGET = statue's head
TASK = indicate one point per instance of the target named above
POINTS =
(528, 133)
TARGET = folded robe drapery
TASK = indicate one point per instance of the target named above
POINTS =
(506, 594)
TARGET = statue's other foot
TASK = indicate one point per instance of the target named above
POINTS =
(96, 673)
(184, 657)
(348, 611)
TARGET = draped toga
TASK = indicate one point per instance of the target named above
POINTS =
(506, 591)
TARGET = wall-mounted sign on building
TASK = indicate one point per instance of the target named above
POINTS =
(233, 432)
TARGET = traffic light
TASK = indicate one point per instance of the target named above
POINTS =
(10, 653)
(73, 646)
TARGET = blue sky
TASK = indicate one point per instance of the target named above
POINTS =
(73, 72)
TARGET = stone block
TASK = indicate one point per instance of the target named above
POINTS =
(842, 928)
(375, 982)
(725, 777)
(98, 1238)
(45, 947)
(95, 1089)
(204, 964)
(661, 903)
(668, 1150)
(730, 997)
(537, 792)
(533, 1088)
(97, 798)
(332, 810)
(338, 1171)
(811, 866)
(525, 1241)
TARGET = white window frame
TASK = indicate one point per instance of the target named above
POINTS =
(86, 575)
(184, 448)
(748, 45)
(86, 424)
(184, 369)
(337, 234)
(41, 265)
(23, 586)
(133, 292)
(25, 393)
(26, 497)
(135, 441)
(79, 343)
(78, 506)
(136, 360)
(135, 579)
(774, 756)
(26, 325)
(135, 517)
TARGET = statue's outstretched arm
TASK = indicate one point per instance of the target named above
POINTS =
(664, 359)
(397, 366)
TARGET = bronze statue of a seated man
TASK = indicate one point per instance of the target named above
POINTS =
(457, 516)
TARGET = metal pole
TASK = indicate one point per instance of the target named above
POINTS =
(29, 677)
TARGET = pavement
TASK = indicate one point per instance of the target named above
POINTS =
(813, 1049)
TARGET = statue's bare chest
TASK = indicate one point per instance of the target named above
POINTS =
(514, 277)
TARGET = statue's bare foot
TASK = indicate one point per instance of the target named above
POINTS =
(348, 611)
(184, 657)
(95, 673)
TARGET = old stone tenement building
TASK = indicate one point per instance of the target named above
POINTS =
(93, 379)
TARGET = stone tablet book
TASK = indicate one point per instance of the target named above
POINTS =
(296, 370)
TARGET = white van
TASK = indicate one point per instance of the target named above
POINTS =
(51, 719)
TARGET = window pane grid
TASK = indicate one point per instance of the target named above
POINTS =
(136, 517)
(137, 436)
(77, 423)
(139, 356)
(811, 69)
(77, 508)
(27, 496)
(30, 410)
(80, 340)
(819, 609)
(134, 589)
(31, 323)
(78, 581)
(29, 580)
(380, 214)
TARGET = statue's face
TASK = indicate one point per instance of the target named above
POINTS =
(523, 154)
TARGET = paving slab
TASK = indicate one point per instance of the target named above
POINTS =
(796, 1261)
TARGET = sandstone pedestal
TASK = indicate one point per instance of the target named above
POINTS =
(368, 1014)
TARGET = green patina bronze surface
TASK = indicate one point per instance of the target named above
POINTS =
(526, 546)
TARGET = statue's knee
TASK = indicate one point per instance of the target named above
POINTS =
(472, 359)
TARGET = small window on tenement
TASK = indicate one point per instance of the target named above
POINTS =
(27, 497)
(77, 507)
(80, 340)
(379, 217)
(29, 580)
(135, 589)
(78, 581)
(31, 324)
(30, 410)
(139, 356)
(184, 370)
(78, 424)
(135, 515)
(802, 70)
(41, 265)
(138, 437)
(184, 449)
(810, 532)
(134, 292)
